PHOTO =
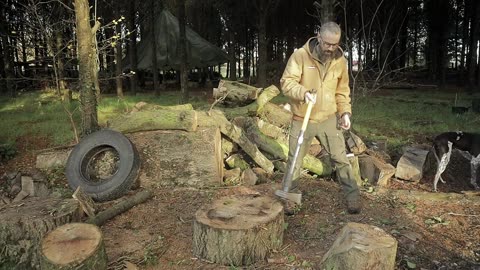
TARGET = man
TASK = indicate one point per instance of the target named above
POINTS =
(320, 67)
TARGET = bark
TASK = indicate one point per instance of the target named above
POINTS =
(183, 52)
(156, 86)
(22, 227)
(118, 55)
(74, 246)
(88, 102)
(179, 158)
(231, 53)
(238, 230)
(7, 52)
(120, 207)
(132, 46)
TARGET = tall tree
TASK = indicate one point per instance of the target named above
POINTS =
(263, 9)
(438, 20)
(132, 45)
(183, 51)
(88, 101)
(474, 39)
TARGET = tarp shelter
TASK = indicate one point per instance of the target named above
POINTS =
(200, 52)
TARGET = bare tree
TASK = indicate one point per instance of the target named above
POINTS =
(86, 61)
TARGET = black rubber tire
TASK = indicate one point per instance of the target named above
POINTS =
(126, 172)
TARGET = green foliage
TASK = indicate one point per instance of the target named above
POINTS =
(7, 151)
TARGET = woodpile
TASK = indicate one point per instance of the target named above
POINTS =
(253, 140)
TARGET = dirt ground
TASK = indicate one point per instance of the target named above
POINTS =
(432, 233)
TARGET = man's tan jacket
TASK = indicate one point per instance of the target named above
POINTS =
(304, 73)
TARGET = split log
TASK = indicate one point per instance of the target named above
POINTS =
(180, 158)
(52, 159)
(270, 112)
(228, 147)
(355, 143)
(235, 93)
(120, 207)
(361, 246)
(238, 230)
(410, 165)
(86, 202)
(279, 150)
(23, 226)
(72, 246)
(376, 171)
(155, 120)
(236, 161)
(254, 108)
(235, 133)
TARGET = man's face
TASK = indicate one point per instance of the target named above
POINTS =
(328, 43)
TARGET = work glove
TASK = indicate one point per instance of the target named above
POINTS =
(344, 121)
(310, 96)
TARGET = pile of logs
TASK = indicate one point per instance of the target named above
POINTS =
(254, 138)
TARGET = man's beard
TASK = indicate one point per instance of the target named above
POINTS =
(324, 56)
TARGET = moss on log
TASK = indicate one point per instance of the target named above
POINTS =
(155, 120)
(279, 150)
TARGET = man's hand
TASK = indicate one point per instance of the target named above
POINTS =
(345, 121)
(310, 97)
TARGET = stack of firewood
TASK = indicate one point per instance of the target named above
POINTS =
(254, 137)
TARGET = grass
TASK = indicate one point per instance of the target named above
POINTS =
(401, 117)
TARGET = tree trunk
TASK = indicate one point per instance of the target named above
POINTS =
(74, 246)
(156, 85)
(88, 101)
(120, 207)
(22, 227)
(118, 55)
(231, 53)
(262, 49)
(132, 45)
(474, 38)
(155, 120)
(327, 11)
(238, 230)
(183, 52)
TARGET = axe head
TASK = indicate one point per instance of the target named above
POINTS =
(294, 197)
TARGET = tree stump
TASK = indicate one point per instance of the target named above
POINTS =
(238, 229)
(74, 246)
(361, 247)
(23, 225)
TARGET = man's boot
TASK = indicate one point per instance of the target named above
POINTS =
(354, 205)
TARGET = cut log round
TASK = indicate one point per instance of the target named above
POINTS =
(23, 225)
(238, 229)
(74, 246)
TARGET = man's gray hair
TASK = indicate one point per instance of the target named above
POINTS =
(331, 27)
